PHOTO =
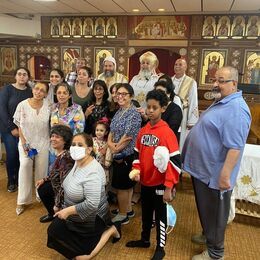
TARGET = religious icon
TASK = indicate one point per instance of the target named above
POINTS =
(209, 27)
(8, 60)
(69, 56)
(159, 27)
(212, 60)
(100, 28)
(66, 27)
(88, 28)
(55, 27)
(77, 27)
(238, 27)
(111, 29)
(223, 28)
(100, 55)
(253, 28)
(252, 67)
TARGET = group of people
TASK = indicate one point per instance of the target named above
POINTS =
(86, 138)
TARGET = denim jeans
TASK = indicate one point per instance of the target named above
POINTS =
(12, 157)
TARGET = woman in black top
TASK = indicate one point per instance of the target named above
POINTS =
(10, 96)
(97, 106)
(173, 114)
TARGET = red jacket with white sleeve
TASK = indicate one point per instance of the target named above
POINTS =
(148, 139)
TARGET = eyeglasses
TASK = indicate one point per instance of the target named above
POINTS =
(123, 94)
(221, 81)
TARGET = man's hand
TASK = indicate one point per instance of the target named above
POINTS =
(134, 175)
(167, 196)
(224, 181)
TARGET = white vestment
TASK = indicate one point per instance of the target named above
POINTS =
(190, 111)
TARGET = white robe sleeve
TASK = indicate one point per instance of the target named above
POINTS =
(193, 113)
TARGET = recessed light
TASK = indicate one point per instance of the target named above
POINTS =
(161, 9)
(136, 10)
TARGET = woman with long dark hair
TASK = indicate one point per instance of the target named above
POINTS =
(97, 106)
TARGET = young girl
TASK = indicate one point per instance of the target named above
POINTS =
(103, 153)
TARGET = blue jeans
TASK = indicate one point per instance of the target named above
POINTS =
(12, 157)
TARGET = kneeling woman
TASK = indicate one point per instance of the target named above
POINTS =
(80, 229)
(50, 188)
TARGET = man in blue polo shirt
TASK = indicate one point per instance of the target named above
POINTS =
(212, 155)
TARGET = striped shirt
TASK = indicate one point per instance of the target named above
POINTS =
(85, 189)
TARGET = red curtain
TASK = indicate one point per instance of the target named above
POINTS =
(166, 59)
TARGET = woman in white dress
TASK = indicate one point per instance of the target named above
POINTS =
(32, 118)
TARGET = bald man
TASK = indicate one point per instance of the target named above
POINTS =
(109, 75)
(186, 89)
(212, 155)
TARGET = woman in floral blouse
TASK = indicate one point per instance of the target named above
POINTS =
(98, 105)
(65, 112)
(49, 188)
(124, 128)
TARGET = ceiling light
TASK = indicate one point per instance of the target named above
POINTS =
(136, 10)
(161, 9)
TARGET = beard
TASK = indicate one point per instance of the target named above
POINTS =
(145, 74)
(109, 73)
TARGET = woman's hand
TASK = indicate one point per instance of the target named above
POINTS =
(103, 150)
(167, 196)
(112, 147)
(15, 132)
(56, 209)
(39, 183)
(89, 110)
(62, 214)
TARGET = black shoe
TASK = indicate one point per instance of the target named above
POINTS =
(138, 243)
(118, 228)
(158, 254)
(12, 188)
(46, 218)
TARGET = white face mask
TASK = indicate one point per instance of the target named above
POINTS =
(77, 152)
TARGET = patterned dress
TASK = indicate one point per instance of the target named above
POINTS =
(104, 159)
(73, 117)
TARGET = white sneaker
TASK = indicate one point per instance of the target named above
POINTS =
(121, 218)
(204, 256)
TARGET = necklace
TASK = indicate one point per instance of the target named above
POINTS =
(141, 85)
(124, 111)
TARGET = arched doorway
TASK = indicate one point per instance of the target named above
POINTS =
(166, 59)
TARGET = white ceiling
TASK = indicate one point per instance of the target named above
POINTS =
(125, 7)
